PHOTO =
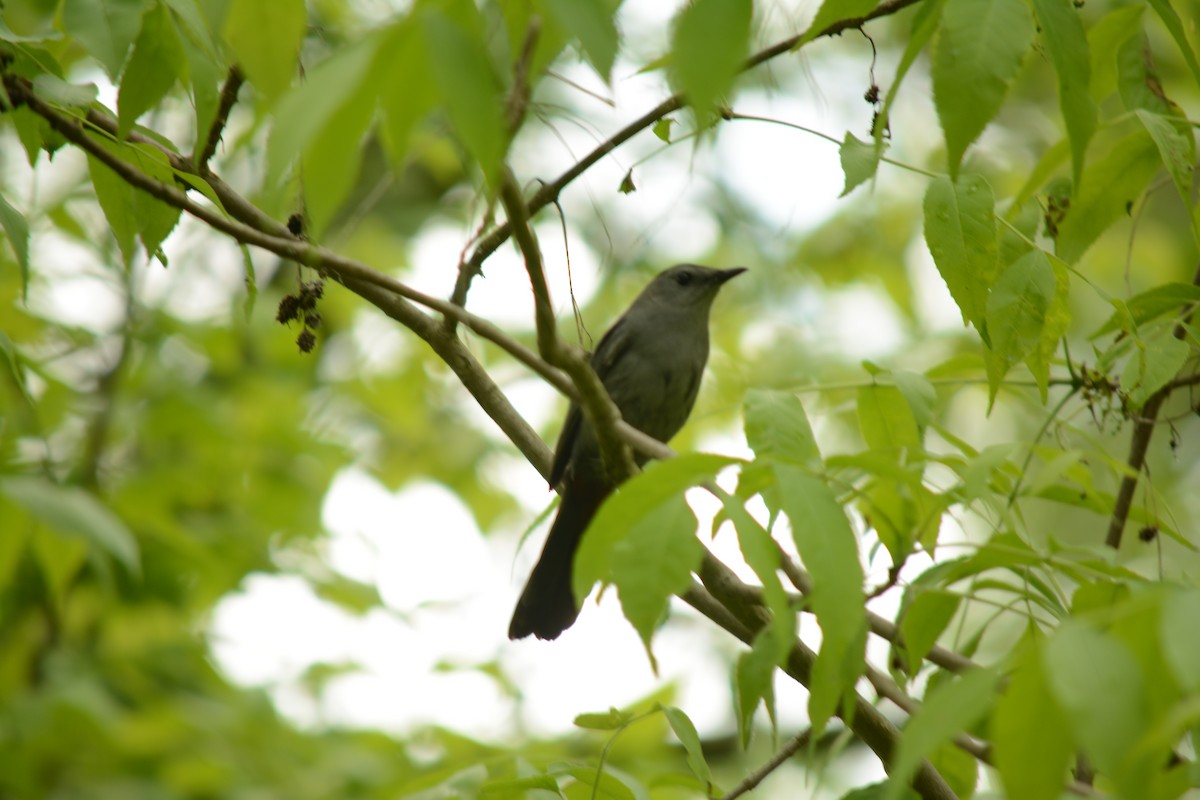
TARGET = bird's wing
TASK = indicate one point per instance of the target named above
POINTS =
(613, 344)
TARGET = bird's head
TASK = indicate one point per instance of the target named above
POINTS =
(688, 285)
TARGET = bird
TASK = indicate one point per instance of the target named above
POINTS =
(650, 362)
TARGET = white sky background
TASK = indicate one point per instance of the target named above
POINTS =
(449, 589)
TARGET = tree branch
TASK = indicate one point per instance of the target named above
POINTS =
(229, 92)
(882, 627)
(549, 192)
(597, 406)
(751, 781)
(866, 721)
(1139, 442)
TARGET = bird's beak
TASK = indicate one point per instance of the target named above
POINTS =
(727, 274)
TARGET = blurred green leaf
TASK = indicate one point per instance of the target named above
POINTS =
(265, 36)
(924, 620)
(1110, 185)
(1030, 734)
(106, 28)
(592, 23)
(948, 710)
(1063, 36)
(71, 511)
(710, 43)
(685, 732)
(469, 87)
(155, 65)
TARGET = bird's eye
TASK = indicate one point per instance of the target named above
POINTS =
(683, 278)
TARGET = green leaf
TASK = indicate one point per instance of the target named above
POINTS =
(662, 129)
(925, 24)
(265, 36)
(686, 733)
(1156, 362)
(1063, 36)
(592, 22)
(1018, 305)
(54, 89)
(829, 550)
(654, 561)
(156, 63)
(1181, 646)
(760, 551)
(469, 88)
(1150, 305)
(960, 229)
(332, 158)
(602, 785)
(406, 95)
(860, 161)
(886, 421)
(925, 618)
(204, 68)
(1083, 665)
(610, 720)
(977, 56)
(709, 46)
(105, 28)
(305, 112)
(634, 500)
(1175, 26)
(131, 212)
(17, 230)
(948, 710)
(1057, 318)
(754, 681)
(832, 11)
(1176, 149)
(70, 511)
(1109, 187)
(777, 427)
(1104, 39)
(1030, 734)
(918, 393)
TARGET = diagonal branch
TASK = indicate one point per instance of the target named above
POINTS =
(866, 721)
(597, 406)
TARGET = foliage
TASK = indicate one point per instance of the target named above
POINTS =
(971, 495)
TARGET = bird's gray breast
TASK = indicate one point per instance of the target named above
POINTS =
(657, 379)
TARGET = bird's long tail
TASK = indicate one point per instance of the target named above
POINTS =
(547, 606)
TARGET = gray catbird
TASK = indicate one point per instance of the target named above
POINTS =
(650, 361)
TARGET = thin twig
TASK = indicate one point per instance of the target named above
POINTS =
(347, 270)
(751, 781)
(550, 191)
